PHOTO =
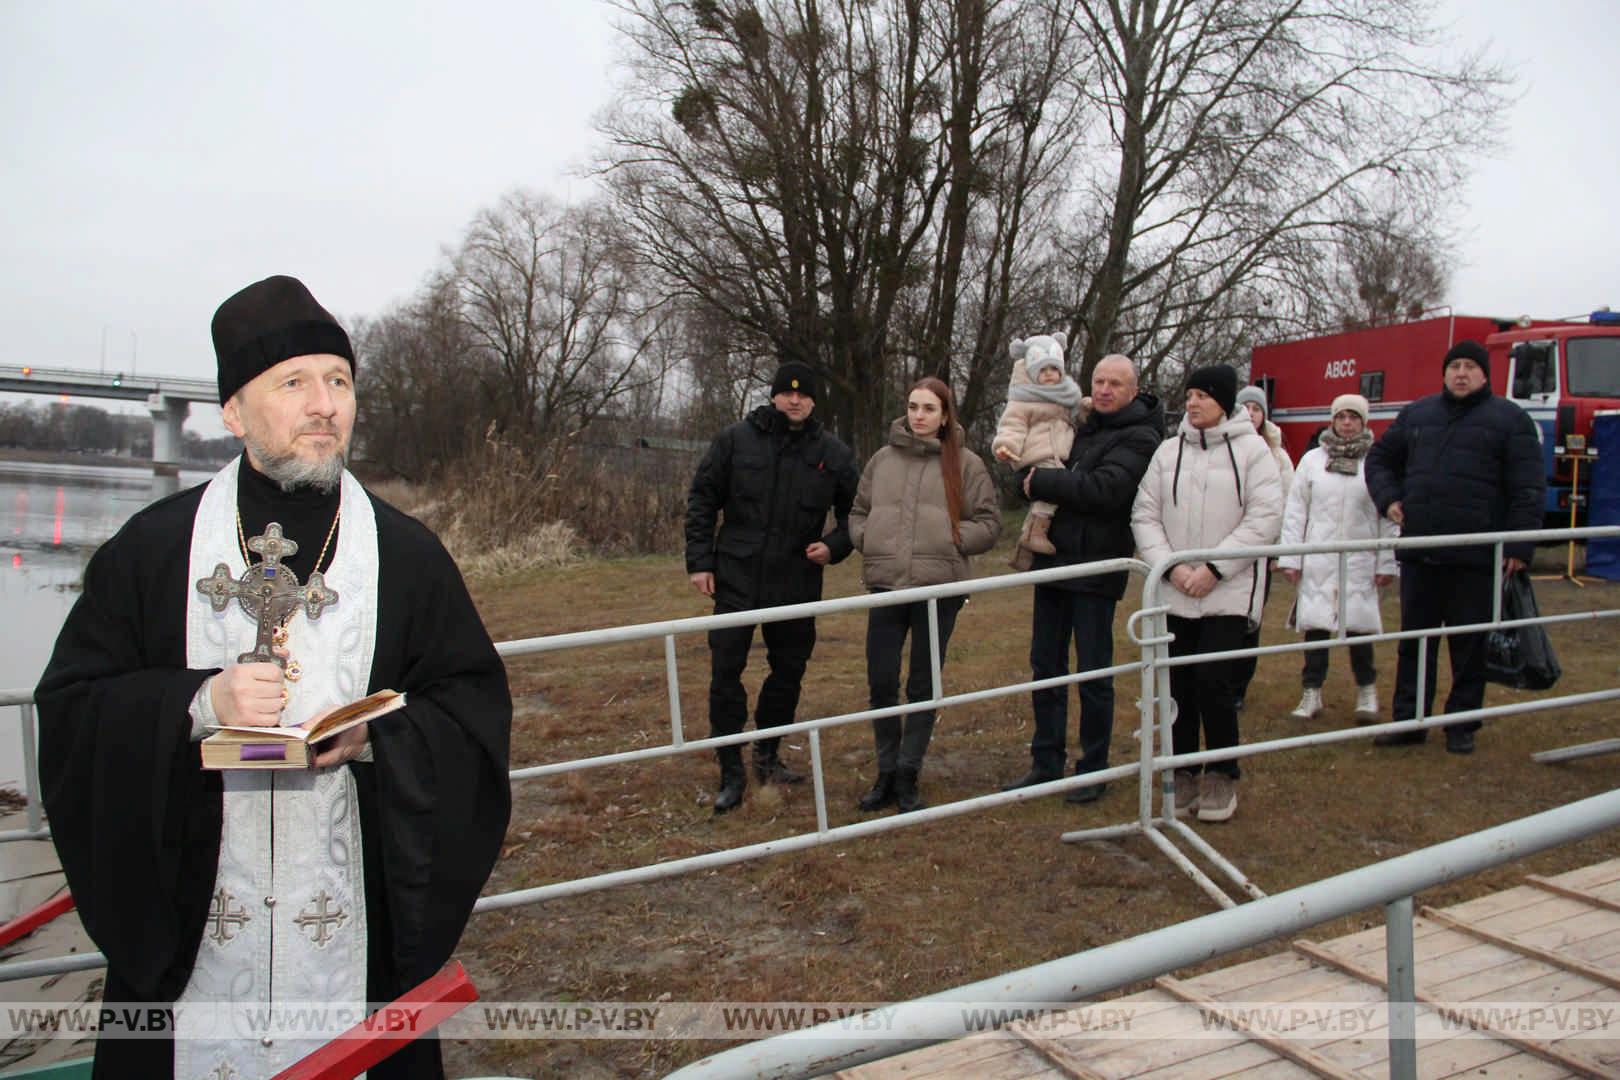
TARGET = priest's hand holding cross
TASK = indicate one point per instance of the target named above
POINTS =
(247, 694)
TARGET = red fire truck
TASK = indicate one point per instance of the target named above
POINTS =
(1560, 371)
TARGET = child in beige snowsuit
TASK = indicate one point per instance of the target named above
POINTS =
(1037, 427)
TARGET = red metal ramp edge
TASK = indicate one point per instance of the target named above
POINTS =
(59, 904)
(436, 999)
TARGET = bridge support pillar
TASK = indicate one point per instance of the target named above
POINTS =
(168, 422)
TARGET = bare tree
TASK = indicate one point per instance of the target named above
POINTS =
(1388, 270)
(548, 302)
(1241, 135)
(423, 387)
(813, 169)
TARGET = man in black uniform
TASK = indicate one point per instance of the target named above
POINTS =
(767, 481)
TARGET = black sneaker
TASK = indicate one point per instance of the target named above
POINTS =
(1459, 742)
(1080, 796)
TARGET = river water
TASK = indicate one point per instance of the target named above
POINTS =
(52, 518)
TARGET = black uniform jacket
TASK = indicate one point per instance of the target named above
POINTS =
(770, 488)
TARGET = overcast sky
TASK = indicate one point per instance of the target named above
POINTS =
(155, 157)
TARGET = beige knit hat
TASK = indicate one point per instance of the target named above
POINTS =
(1354, 403)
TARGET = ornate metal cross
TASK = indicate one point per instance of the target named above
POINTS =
(268, 591)
(321, 919)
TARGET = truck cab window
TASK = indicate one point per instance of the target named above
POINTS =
(1594, 366)
(1535, 368)
(1372, 385)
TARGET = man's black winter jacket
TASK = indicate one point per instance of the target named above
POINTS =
(769, 487)
(1460, 465)
(1094, 494)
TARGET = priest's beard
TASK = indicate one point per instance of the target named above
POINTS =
(292, 473)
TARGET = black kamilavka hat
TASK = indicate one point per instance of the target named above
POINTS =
(270, 321)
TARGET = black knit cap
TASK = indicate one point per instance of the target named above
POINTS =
(795, 375)
(1469, 350)
(1219, 381)
(270, 321)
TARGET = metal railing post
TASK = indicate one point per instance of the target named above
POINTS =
(1402, 989)
(818, 780)
(933, 648)
(36, 819)
(677, 732)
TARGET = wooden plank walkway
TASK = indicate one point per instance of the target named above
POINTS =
(1520, 983)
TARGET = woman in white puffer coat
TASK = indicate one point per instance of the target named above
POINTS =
(1213, 486)
(1329, 502)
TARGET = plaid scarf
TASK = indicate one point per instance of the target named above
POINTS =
(1344, 455)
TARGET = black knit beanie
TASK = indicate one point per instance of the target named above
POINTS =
(1469, 350)
(795, 375)
(270, 321)
(1219, 381)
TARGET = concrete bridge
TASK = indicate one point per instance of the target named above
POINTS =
(168, 398)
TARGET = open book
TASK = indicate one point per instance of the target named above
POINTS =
(245, 747)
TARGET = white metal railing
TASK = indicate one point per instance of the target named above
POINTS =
(911, 1025)
(1148, 628)
(1145, 627)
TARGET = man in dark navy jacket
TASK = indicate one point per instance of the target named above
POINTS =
(1460, 461)
(1093, 494)
(768, 481)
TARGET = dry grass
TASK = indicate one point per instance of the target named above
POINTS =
(503, 509)
(930, 907)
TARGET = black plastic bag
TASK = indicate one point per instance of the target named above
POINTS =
(1520, 656)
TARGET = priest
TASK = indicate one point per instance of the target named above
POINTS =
(275, 591)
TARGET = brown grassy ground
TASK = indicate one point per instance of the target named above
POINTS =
(931, 907)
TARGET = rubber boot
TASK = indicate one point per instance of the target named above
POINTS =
(733, 779)
(906, 798)
(768, 768)
(881, 795)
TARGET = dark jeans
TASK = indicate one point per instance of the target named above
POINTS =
(1206, 694)
(1316, 663)
(903, 740)
(1088, 620)
(1443, 596)
(787, 650)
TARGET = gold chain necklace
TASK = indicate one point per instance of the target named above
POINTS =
(241, 538)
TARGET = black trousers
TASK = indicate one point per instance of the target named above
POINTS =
(1206, 694)
(1061, 616)
(1316, 663)
(1251, 639)
(787, 650)
(902, 741)
(1443, 596)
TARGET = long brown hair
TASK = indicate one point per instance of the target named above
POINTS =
(950, 449)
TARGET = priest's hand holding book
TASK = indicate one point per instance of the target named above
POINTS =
(248, 700)
(250, 695)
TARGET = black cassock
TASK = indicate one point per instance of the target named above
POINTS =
(136, 820)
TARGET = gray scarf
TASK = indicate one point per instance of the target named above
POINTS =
(1344, 455)
(1065, 393)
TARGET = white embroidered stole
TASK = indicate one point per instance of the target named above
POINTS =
(287, 919)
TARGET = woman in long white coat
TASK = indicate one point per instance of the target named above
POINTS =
(1329, 502)
(1213, 486)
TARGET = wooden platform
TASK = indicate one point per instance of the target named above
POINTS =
(1554, 941)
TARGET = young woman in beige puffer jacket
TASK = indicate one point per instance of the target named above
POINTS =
(925, 504)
